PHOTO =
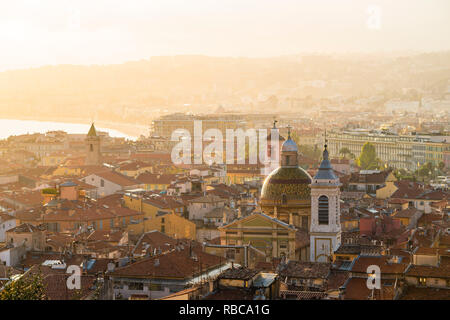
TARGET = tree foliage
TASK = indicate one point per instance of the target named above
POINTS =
(309, 151)
(368, 158)
(425, 170)
(346, 151)
(403, 174)
(27, 287)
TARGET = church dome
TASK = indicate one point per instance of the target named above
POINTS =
(289, 182)
(289, 146)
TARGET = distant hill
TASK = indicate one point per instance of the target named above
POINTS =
(136, 92)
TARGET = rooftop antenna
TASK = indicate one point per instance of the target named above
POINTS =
(326, 140)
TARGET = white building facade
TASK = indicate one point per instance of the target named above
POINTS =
(325, 229)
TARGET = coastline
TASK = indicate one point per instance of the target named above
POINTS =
(129, 129)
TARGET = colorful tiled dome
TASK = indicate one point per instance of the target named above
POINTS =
(293, 182)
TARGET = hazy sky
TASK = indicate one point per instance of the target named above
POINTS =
(37, 32)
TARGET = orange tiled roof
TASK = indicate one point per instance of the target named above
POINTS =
(153, 178)
(415, 293)
(117, 178)
(363, 262)
(152, 240)
(429, 271)
(174, 264)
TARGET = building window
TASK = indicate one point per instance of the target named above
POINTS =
(423, 281)
(135, 286)
(155, 287)
(305, 224)
(323, 210)
(283, 245)
(102, 183)
(163, 229)
(283, 199)
(91, 147)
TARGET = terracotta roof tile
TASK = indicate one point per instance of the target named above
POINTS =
(174, 264)
(238, 273)
(300, 269)
(429, 271)
(154, 178)
(384, 262)
(415, 293)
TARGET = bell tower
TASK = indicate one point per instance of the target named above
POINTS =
(93, 156)
(325, 229)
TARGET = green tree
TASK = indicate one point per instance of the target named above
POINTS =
(346, 151)
(425, 170)
(27, 287)
(402, 174)
(308, 151)
(368, 158)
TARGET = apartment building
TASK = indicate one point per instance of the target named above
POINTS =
(398, 151)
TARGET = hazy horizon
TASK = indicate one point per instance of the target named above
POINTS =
(39, 33)
(398, 53)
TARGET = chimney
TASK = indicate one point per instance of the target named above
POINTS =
(111, 267)
(211, 286)
(224, 218)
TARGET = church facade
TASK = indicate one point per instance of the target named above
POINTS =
(300, 214)
(311, 205)
(286, 192)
